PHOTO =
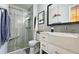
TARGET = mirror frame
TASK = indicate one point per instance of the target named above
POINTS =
(54, 24)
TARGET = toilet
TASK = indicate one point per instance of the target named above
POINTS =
(34, 45)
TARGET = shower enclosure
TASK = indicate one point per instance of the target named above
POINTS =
(21, 28)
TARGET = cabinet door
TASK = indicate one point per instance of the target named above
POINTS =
(65, 42)
(51, 49)
(57, 50)
(44, 46)
(43, 37)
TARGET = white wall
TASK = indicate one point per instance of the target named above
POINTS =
(3, 48)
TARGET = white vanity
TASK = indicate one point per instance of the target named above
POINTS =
(59, 43)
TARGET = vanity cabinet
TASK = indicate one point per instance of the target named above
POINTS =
(55, 43)
(52, 49)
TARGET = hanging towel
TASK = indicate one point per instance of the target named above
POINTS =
(5, 26)
(0, 27)
(8, 34)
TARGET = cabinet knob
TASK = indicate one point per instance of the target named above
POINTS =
(56, 52)
(43, 37)
(43, 45)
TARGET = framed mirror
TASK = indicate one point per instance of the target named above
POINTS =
(60, 14)
(41, 17)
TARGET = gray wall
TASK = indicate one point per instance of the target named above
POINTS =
(72, 28)
(30, 31)
(43, 27)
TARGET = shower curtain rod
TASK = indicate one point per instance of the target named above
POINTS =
(3, 8)
(15, 8)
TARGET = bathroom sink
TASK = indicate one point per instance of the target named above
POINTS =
(72, 35)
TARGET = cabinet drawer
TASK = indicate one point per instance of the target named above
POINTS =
(44, 46)
(57, 50)
(43, 37)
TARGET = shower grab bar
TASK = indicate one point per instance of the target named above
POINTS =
(13, 38)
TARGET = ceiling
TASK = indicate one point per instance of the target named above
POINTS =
(25, 6)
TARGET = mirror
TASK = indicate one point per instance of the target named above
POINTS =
(59, 14)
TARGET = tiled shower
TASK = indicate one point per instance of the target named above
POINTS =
(20, 28)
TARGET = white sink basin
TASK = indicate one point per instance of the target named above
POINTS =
(72, 35)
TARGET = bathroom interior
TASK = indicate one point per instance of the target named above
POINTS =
(39, 28)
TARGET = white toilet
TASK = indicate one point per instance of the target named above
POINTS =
(33, 44)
